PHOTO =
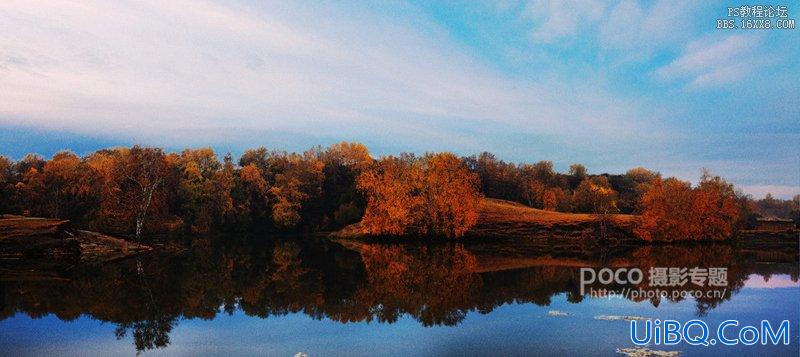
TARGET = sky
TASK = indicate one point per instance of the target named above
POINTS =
(612, 85)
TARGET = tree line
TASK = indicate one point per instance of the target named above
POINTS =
(145, 189)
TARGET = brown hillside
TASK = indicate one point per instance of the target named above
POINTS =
(500, 218)
(494, 210)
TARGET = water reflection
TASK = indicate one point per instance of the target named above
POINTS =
(435, 284)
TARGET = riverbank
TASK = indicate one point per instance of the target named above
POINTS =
(40, 248)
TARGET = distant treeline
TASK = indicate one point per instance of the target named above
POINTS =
(144, 189)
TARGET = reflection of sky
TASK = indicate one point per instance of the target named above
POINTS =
(515, 329)
(775, 281)
(611, 84)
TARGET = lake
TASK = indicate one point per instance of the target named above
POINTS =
(278, 297)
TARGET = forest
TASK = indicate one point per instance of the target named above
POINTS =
(140, 190)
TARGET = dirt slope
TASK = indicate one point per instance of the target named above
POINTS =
(499, 218)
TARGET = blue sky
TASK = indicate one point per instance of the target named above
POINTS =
(612, 85)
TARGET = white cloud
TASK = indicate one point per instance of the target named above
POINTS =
(560, 19)
(714, 62)
(628, 26)
(639, 30)
(189, 71)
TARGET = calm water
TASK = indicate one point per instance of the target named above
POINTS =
(282, 297)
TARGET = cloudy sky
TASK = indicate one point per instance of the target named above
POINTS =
(612, 85)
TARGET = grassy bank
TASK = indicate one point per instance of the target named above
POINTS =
(500, 218)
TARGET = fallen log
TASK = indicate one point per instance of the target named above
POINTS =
(18, 226)
(36, 237)
(32, 238)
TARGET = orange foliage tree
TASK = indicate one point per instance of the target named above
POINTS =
(298, 182)
(134, 188)
(673, 210)
(392, 187)
(291, 180)
(69, 186)
(433, 195)
(550, 199)
(666, 210)
(595, 195)
(253, 191)
(715, 208)
(450, 194)
(204, 189)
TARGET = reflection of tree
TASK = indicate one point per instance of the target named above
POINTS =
(147, 334)
(434, 284)
(689, 256)
(152, 332)
(287, 271)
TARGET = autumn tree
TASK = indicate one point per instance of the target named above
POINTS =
(251, 193)
(673, 210)
(132, 189)
(103, 165)
(551, 199)
(29, 191)
(595, 195)
(537, 181)
(666, 211)
(498, 179)
(433, 195)
(69, 188)
(342, 203)
(204, 195)
(30, 161)
(632, 186)
(543, 172)
(25, 184)
(135, 188)
(354, 156)
(715, 209)
(577, 173)
(392, 188)
(450, 194)
(532, 191)
(226, 181)
(300, 180)
(292, 180)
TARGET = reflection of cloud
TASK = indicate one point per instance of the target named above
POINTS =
(775, 281)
